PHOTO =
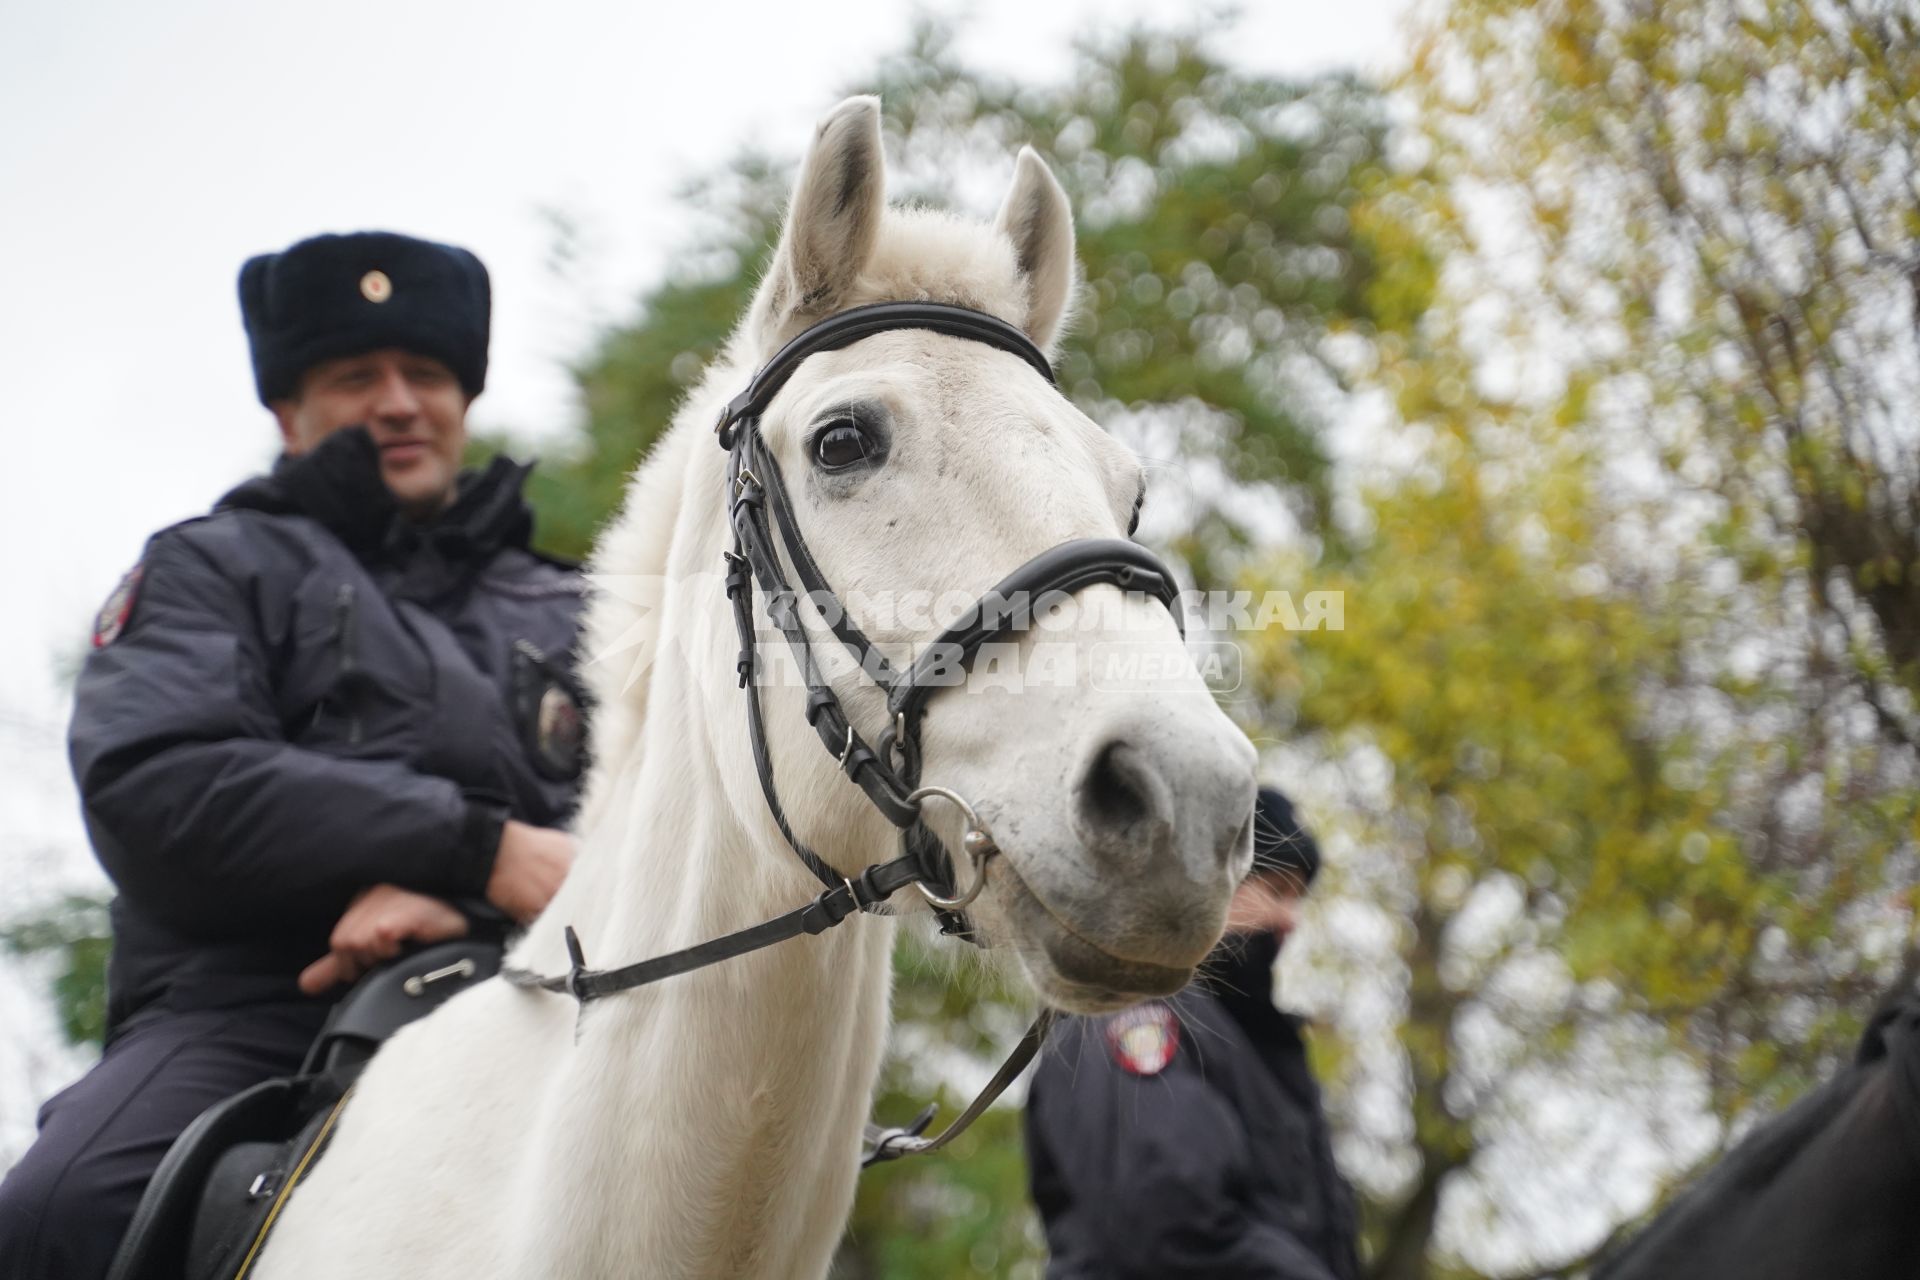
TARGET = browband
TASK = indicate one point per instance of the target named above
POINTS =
(850, 326)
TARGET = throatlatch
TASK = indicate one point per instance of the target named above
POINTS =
(887, 771)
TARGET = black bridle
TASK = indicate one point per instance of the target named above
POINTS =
(887, 770)
(759, 504)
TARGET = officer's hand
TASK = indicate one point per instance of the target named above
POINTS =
(374, 929)
(528, 869)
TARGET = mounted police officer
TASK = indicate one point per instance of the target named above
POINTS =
(332, 717)
(1184, 1137)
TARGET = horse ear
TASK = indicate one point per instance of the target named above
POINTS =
(1037, 219)
(832, 221)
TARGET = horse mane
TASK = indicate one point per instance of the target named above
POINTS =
(621, 626)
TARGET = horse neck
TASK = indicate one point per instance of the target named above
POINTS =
(668, 852)
(746, 1082)
(673, 834)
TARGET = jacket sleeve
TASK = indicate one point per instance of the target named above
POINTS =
(1160, 1164)
(204, 814)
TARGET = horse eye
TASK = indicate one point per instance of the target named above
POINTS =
(841, 446)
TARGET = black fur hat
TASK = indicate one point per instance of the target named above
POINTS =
(1280, 843)
(335, 296)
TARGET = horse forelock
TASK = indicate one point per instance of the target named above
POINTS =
(920, 255)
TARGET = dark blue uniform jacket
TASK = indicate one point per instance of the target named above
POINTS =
(303, 694)
(1215, 1164)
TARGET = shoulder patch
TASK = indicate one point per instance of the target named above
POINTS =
(113, 615)
(1143, 1039)
(551, 710)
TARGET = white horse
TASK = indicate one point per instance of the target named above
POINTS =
(710, 1125)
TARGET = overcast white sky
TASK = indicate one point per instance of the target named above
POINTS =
(146, 149)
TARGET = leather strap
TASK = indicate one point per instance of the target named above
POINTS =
(849, 326)
(874, 886)
(754, 551)
(870, 658)
(1065, 569)
(825, 911)
(892, 1144)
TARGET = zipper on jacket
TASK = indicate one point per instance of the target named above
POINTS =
(345, 640)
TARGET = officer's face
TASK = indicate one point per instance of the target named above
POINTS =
(1264, 904)
(412, 405)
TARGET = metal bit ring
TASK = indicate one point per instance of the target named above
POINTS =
(977, 843)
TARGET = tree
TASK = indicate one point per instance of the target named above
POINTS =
(74, 932)
(1215, 229)
(1214, 233)
(1621, 704)
(1729, 197)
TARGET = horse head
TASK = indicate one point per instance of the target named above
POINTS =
(919, 469)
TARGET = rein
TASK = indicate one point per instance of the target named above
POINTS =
(888, 771)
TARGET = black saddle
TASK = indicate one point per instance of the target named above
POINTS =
(224, 1180)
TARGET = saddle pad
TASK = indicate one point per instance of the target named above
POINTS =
(224, 1181)
(236, 1224)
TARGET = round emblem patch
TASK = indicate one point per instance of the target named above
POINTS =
(553, 720)
(560, 732)
(113, 615)
(375, 287)
(1143, 1039)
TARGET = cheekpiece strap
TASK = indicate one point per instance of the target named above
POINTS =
(755, 555)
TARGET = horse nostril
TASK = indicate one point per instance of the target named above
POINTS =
(1112, 788)
(1123, 801)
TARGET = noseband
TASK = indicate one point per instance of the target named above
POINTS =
(887, 771)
